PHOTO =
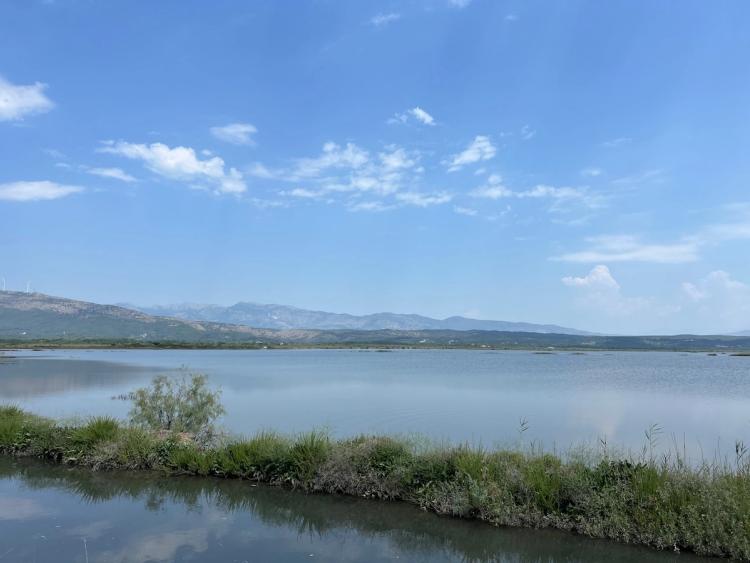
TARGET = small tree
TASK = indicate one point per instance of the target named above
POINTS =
(177, 404)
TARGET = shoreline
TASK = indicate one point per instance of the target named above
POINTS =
(664, 504)
(40, 346)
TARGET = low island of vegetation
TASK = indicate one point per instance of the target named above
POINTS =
(656, 500)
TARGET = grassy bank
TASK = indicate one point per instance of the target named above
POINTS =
(664, 504)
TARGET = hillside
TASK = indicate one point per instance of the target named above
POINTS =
(285, 317)
(38, 318)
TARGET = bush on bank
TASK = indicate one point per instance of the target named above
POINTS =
(664, 504)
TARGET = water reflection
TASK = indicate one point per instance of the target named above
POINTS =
(23, 378)
(119, 517)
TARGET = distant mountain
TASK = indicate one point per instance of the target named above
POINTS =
(285, 317)
(742, 333)
(34, 317)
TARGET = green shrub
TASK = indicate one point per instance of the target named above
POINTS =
(177, 405)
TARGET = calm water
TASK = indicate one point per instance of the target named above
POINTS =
(476, 396)
(50, 514)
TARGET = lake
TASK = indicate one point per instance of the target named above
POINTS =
(50, 514)
(701, 402)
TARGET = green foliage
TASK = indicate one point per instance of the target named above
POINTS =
(307, 454)
(98, 429)
(177, 405)
(665, 505)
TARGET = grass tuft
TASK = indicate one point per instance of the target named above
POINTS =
(662, 502)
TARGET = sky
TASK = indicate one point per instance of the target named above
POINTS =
(579, 163)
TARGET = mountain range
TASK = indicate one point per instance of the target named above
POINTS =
(35, 318)
(284, 317)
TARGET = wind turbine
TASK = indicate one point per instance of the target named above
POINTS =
(28, 287)
(3, 283)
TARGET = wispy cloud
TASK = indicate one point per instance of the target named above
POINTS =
(591, 172)
(468, 211)
(494, 188)
(527, 133)
(617, 142)
(181, 163)
(480, 149)
(35, 191)
(19, 101)
(423, 200)
(115, 173)
(415, 113)
(459, 3)
(235, 133)
(626, 248)
(381, 20)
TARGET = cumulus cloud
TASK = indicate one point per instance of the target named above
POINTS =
(601, 291)
(181, 163)
(35, 191)
(598, 277)
(235, 133)
(19, 101)
(719, 302)
(381, 20)
(115, 173)
(481, 148)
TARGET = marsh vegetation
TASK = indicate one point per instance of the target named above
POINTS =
(659, 500)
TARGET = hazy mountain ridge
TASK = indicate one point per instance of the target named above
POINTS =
(288, 317)
(34, 317)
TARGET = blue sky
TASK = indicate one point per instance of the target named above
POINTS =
(582, 163)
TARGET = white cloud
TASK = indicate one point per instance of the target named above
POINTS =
(468, 211)
(416, 113)
(375, 206)
(598, 277)
(493, 189)
(423, 200)
(511, 18)
(718, 302)
(258, 170)
(591, 172)
(422, 116)
(601, 292)
(304, 193)
(116, 173)
(333, 156)
(381, 20)
(459, 3)
(481, 148)
(617, 142)
(235, 133)
(35, 191)
(562, 197)
(18, 101)
(527, 133)
(627, 248)
(181, 163)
